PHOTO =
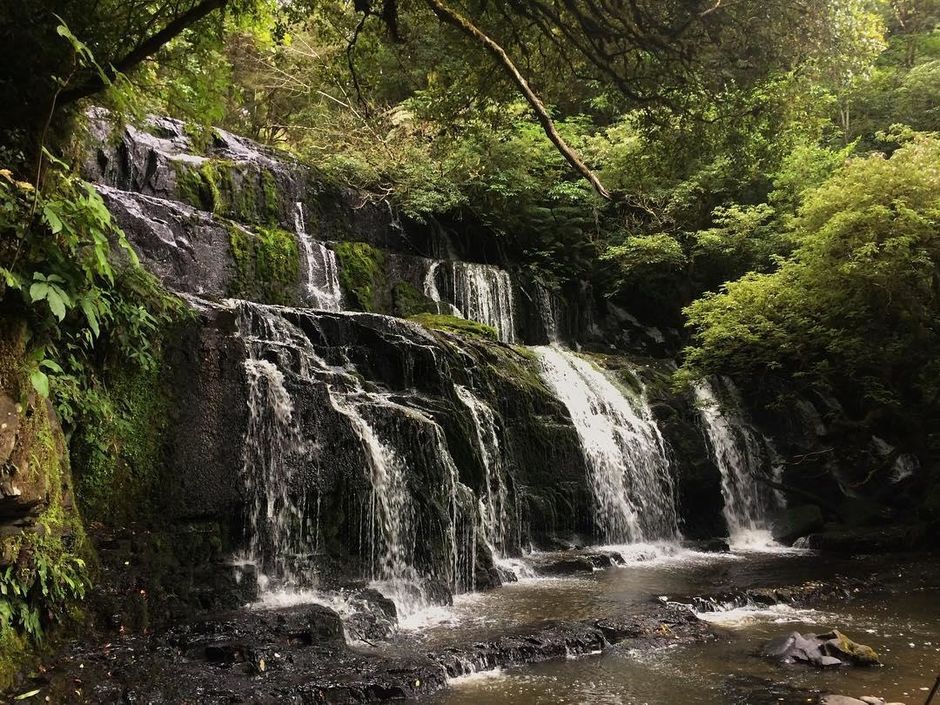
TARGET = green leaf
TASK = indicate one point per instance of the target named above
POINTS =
(52, 219)
(92, 316)
(51, 365)
(38, 291)
(57, 302)
(29, 694)
(40, 382)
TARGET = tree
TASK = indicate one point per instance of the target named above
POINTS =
(42, 77)
(853, 313)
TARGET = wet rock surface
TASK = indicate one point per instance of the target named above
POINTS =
(299, 655)
(823, 651)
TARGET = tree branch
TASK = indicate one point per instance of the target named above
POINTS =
(146, 48)
(449, 16)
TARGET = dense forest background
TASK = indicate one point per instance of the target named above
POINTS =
(764, 174)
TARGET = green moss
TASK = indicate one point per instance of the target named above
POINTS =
(452, 324)
(43, 573)
(206, 187)
(272, 209)
(267, 265)
(407, 300)
(229, 189)
(361, 273)
(120, 455)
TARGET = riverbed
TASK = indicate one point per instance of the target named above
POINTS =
(897, 612)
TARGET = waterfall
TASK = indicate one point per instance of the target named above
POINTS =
(433, 293)
(405, 440)
(322, 288)
(742, 460)
(279, 534)
(494, 506)
(548, 311)
(479, 292)
(630, 473)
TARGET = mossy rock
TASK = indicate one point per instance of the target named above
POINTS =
(244, 192)
(408, 301)
(458, 326)
(44, 552)
(267, 265)
(361, 274)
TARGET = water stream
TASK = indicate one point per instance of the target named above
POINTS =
(743, 460)
(479, 292)
(321, 271)
(629, 470)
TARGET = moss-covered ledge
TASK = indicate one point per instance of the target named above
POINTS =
(44, 554)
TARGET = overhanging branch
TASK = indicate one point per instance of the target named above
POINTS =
(451, 17)
(146, 48)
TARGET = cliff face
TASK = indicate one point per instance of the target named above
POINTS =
(299, 292)
(356, 396)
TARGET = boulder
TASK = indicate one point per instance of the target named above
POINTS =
(796, 522)
(837, 644)
(567, 566)
(822, 651)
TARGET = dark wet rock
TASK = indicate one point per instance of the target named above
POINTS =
(566, 566)
(823, 651)
(374, 617)
(278, 656)
(847, 541)
(796, 522)
(714, 545)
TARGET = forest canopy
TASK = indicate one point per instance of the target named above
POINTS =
(698, 161)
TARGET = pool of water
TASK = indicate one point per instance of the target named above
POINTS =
(902, 624)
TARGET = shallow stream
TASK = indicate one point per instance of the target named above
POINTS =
(900, 619)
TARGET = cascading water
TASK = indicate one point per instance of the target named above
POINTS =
(322, 288)
(741, 458)
(278, 522)
(480, 292)
(626, 455)
(274, 444)
(548, 312)
(494, 506)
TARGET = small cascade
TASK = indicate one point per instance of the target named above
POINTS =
(395, 439)
(741, 458)
(479, 292)
(495, 518)
(322, 288)
(278, 523)
(548, 312)
(433, 293)
(630, 473)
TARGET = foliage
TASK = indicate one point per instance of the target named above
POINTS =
(854, 310)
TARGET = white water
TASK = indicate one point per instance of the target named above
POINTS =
(630, 474)
(278, 519)
(548, 312)
(494, 505)
(274, 445)
(741, 458)
(322, 286)
(480, 292)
